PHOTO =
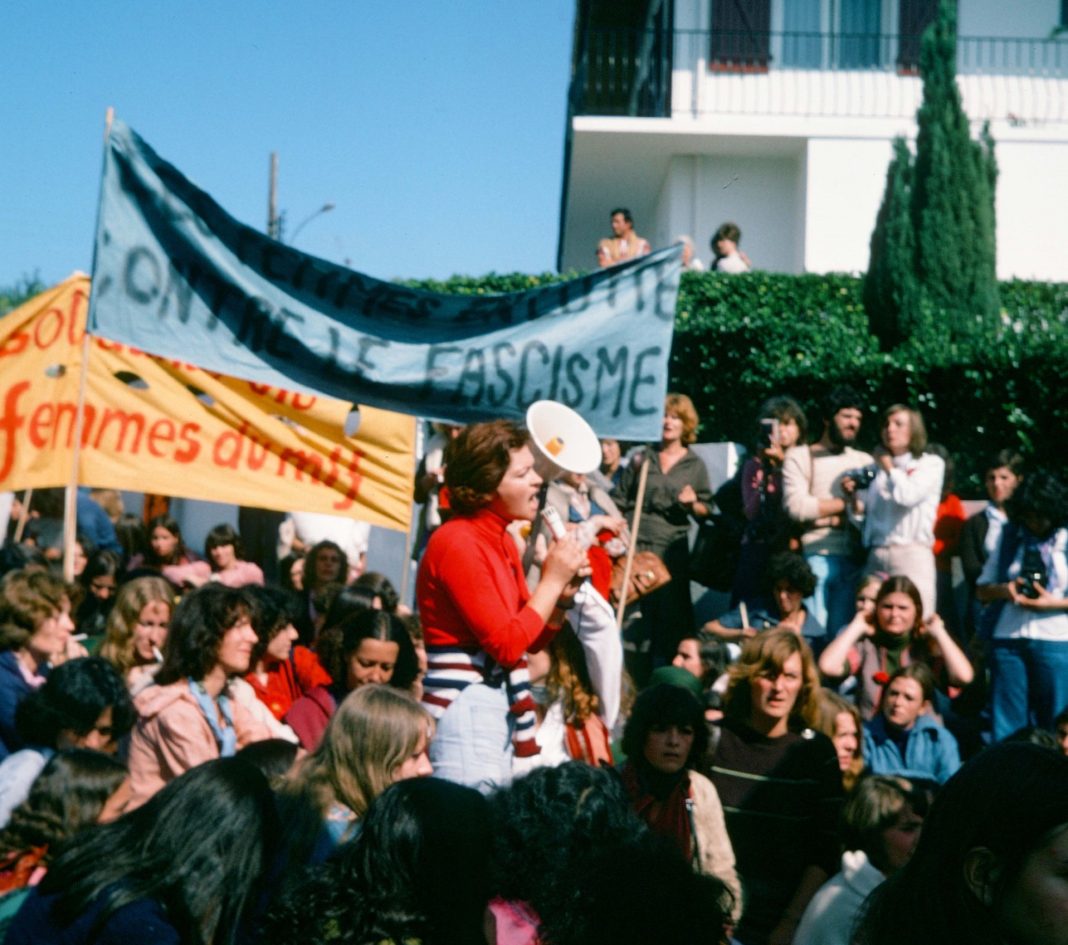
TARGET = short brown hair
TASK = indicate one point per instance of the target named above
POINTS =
(476, 461)
(682, 407)
(917, 428)
(27, 599)
(768, 652)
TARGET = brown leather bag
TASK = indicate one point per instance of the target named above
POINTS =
(647, 574)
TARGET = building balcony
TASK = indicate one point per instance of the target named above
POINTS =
(663, 73)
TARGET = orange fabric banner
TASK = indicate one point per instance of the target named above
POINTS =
(156, 425)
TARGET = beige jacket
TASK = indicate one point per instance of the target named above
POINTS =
(714, 855)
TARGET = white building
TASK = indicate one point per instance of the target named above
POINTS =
(779, 115)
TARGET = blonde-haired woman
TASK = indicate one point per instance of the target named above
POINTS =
(137, 629)
(780, 785)
(840, 721)
(677, 490)
(377, 736)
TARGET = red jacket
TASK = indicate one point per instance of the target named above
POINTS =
(288, 680)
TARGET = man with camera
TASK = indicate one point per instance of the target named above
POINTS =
(813, 496)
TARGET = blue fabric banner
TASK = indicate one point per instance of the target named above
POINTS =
(176, 276)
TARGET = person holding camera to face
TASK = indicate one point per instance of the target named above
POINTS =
(899, 502)
(1025, 586)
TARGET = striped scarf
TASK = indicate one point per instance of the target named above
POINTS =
(450, 670)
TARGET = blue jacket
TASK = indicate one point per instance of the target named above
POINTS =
(13, 689)
(930, 751)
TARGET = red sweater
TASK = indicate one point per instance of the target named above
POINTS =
(288, 680)
(472, 593)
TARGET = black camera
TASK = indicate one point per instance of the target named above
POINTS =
(1032, 572)
(862, 476)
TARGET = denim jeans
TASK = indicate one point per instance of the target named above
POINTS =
(473, 742)
(1029, 684)
(833, 602)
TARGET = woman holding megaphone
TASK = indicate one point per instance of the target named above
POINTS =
(479, 618)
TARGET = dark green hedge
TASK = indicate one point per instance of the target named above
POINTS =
(739, 339)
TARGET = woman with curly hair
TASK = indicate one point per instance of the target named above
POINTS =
(184, 868)
(69, 795)
(189, 717)
(376, 737)
(326, 568)
(780, 784)
(1025, 586)
(574, 865)
(479, 617)
(369, 646)
(137, 629)
(419, 871)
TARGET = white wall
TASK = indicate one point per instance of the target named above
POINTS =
(1032, 210)
(760, 194)
(846, 178)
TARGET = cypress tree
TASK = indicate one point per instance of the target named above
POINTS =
(890, 289)
(940, 262)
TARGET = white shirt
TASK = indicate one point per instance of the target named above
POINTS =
(1018, 623)
(732, 263)
(832, 912)
(900, 505)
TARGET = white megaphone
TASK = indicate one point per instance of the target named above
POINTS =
(562, 440)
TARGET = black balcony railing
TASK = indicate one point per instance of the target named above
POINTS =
(629, 71)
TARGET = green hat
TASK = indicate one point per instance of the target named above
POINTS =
(676, 676)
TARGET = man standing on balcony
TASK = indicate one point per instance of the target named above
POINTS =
(728, 257)
(624, 243)
(813, 496)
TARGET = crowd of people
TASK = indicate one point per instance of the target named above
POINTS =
(845, 753)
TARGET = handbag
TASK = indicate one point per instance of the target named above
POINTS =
(647, 574)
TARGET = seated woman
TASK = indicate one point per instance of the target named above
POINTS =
(188, 717)
(280, 673)
(377, 736)
(788, 580)
(840, 721)
(779, 782)
(137, 629)
(419, 871)
(664, 739)
(370, 646)
(479, 618)
(35, 635)
(903, 738)
(875, 644)
(70, 794)
(226, 553)
(989, 868)
(83, 704)
(881, 824)
(168, 555)
(183, 868)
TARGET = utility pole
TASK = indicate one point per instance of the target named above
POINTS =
(274, 222)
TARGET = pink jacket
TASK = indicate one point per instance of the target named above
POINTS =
(172, 736)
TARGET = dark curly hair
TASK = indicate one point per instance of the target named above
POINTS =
(792, 568)
(476, 461)
(419, 870)
(567, 842)
(311, 563)
(72, 699)
(1040, 495)
(663, 705)
(337, 645)
(67, 797)
(273, 609)
(842, 397)
(197, 628)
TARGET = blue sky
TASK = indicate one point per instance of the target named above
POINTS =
(436, 128)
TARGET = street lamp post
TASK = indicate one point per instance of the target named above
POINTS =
(325, 208)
